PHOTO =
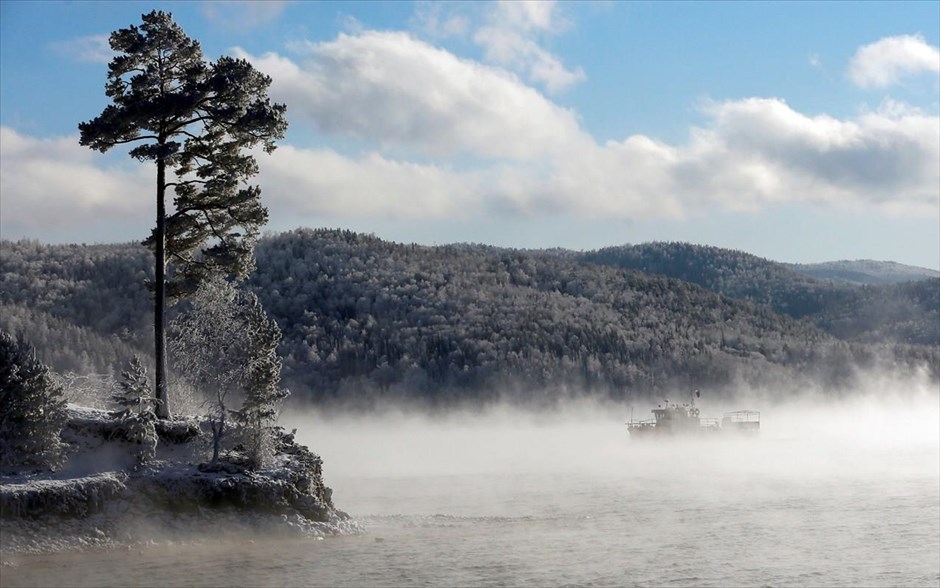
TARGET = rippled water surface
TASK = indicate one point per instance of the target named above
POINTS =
(850, 497)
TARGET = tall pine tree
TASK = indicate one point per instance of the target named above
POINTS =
(196, 121)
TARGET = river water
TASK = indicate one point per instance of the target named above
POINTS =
(828, 495)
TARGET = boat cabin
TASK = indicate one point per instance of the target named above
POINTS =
(745, 421)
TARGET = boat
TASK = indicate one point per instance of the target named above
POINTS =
(676, 419)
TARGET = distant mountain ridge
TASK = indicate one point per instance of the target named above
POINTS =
(864, 271)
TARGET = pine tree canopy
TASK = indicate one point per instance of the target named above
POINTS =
(199, 119)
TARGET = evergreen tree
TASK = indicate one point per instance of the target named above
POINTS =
(32, 407)
(137, 416)
(195, 120)
(132, 393)
(262, 378)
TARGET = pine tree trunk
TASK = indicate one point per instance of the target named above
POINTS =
(159, 313)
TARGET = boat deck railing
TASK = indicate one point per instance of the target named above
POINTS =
(643, 423)
(743, 416)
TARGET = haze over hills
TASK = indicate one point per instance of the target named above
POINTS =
(364, 318)
(864, 271)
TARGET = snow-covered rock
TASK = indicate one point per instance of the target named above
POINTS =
(32, 498)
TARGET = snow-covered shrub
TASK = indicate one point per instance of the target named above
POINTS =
(91, 390)
(32, 407)
(140, 428)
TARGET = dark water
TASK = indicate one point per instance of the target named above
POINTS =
(508, 500)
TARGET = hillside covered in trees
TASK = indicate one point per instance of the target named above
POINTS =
(895, 311)
(364, 318)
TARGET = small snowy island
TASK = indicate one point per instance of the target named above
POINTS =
(123, 467)
(104, 495)
(94, 466)
(89, 461)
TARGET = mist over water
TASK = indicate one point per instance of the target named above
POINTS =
(804, 436)
(833, 492)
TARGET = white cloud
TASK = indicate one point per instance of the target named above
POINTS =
(511, 38)
(530, 15)
(889, 156)
(49, 183)
(512, 35)
(409, 97)
(508, 48)
(886, 61)
(318, 182)
(438, 20)
(402, 92)
(242, 14)
(90, 49)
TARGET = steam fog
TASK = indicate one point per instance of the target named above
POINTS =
(889, 427)
(832, 492)
(580, 460)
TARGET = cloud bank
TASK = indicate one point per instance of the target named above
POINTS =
(467, 137)
(52, 183)
(430, 135)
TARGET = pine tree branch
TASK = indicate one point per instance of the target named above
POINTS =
(139, 138)
(187, 183)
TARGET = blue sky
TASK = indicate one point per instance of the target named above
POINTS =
(800, 132)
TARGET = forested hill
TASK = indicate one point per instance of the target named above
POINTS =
(365, 318)
(85, 307)
(907, 312)
(361, 313)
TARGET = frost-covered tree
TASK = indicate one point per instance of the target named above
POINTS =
(196, 121)
(132, 397)
(262, 389)
(227, 346)
(131, 394)
(32, 407)
(85, 389)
